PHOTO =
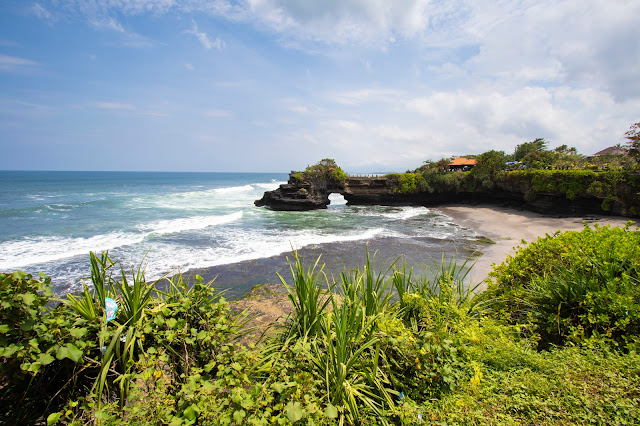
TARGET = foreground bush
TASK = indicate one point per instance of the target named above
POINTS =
(578, 287)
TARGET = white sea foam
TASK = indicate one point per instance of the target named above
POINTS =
(188, 224)
(268, 186)
(244, 246)
(30, 251)
(398, 213)
(209, 199)
(39, 250)
(232, 189)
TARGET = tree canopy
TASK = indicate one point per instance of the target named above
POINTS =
(633, 141)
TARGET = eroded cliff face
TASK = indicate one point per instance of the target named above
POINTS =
(297, 196)
(301, 196)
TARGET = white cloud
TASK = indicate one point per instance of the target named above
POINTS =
(125, 38)
(590, 43)
(362, 96)
(107, 24)
(437, 123)
(350, 21)
(112, 106)
(347, 125)
(300, 109)
(217, 113)
(395, 132)
(135, 41)
(43, 13)
(189, 66)
(204, 39)
(16, 64)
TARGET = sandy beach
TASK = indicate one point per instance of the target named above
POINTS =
(508, 227)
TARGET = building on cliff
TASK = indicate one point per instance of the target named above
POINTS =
(462, 164)
(612, 150)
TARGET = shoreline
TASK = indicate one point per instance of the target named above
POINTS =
(507, 227)
(499, 230)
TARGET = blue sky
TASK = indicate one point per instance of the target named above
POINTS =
(275, 85)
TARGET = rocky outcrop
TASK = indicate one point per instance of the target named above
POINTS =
(291, 198)
(297, 196)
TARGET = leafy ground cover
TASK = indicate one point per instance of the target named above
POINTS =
(554, 340)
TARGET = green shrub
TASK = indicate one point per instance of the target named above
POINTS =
(407, 183)
(575, 286)
(42, 350)
(324, 174)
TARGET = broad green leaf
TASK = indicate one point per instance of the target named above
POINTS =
(53, 418)
(331, 411)
(34, 367)
(176, 421)
(191, 412)
(78, 333)
(171, 322)
(238, 416)
(294, 411)
(45, 359)
(9, 350)
(28, 298)
(4, 328)
(27, 325)
(18, 275)
(70, 351)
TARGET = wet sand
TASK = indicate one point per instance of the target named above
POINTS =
(508, 227)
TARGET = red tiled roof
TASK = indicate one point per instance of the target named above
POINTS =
(612, 150)
(462, 161)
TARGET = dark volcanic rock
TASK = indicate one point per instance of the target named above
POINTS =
(296, 196)
(293, 198)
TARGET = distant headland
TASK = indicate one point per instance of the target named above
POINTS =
(558, 182)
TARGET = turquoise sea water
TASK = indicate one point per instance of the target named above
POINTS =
(49, 221)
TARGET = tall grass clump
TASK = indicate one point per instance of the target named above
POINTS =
(308, 298)
(368, 287)
(346, 361)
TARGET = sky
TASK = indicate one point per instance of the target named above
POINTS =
(276, 85)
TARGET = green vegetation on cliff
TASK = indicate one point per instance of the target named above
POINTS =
(534, 170)
(324, 174)
(554, 340)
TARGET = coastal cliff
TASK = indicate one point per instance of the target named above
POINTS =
(593, 195)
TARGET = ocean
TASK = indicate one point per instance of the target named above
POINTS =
(202, 223)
